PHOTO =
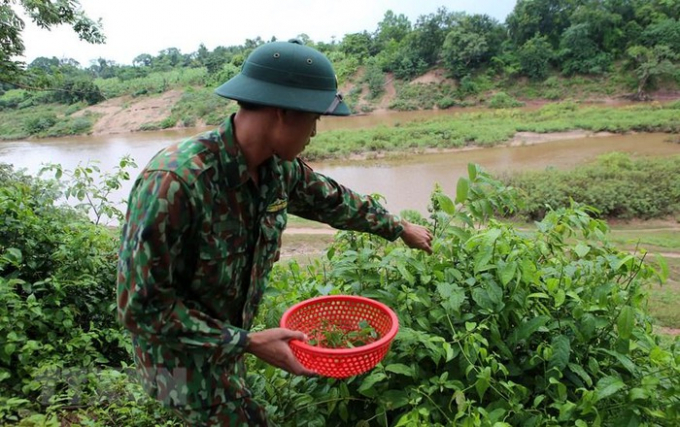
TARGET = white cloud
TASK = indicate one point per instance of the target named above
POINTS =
(133, 27)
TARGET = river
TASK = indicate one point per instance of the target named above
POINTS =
(406, 182)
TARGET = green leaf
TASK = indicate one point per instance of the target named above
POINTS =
(483, 382)
(400, 368)
(542, 295)
(581, 250)
(560, 297)
(481, 297)
(623, 261)
(453, 296)
(561, 352)
(445, 203)
(342, 410)
(506, 271)
(663, 267)
(472, 171)
(578, 370)
(14, 256)
(626, 322)
(526, 329)
(608, 386)
(367, 384)
(393, 399)
(462, 190)
(638, 394)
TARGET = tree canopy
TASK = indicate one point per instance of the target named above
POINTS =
(46, 14)
(539, 38)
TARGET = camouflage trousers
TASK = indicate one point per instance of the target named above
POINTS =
(201, 392)
(242, 412)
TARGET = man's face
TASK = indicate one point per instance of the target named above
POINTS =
(297, 130)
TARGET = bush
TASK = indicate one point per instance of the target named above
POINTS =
(497, 327)
(503, 100)
(13, 98)
(616, 185)
(57, 287)
(37, 124)
(72, 126)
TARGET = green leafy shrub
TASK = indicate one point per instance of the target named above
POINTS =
(57, 286)
(13, 98)
(149, 126)
(503, 100)
(70, 126)
(616, 185)
(38, 124)
(168, 122)
(497, 327)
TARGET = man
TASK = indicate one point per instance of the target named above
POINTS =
(204, 226)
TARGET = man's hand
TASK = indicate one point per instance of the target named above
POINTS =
(271, 345)
(417, 237)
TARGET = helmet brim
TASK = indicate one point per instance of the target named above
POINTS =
(246, 89)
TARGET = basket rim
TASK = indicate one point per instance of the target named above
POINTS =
(357, 351)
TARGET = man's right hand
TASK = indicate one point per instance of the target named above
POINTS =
(271, 345)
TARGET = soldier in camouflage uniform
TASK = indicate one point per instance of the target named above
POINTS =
(204, 226)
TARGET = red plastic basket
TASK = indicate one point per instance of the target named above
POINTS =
(345, 311)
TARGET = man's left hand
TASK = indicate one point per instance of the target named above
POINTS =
(417, 237)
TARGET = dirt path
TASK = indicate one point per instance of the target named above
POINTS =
(668, 331)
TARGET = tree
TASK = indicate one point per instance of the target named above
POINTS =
(463, 50)
(666, 32)
(605, 28)
(650, 64)
(535, 56)
(392, 28)
(429, 34)
(46, 14)
(78, 89)
(357, 44)
(580, 54)
(540, 17)
(471, 43)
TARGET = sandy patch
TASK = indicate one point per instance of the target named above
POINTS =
(530, 138)
(436, 75)
(667, 331)
(127, 114)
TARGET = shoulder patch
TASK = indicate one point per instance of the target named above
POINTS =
(277, 205)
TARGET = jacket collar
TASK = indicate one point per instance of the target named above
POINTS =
(233, 161)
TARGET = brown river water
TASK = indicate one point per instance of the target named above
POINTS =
(405, 181)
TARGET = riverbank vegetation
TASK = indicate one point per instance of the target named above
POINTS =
(489, 128)
(507, 327)
(617, 185)
(545, 50)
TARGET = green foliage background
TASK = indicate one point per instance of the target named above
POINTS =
(545, 49)
(498, 327)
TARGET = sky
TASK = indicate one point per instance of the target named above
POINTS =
(133, 27)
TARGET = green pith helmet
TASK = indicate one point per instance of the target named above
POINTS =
(287, 75)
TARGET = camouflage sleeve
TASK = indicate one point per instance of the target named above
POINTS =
(157, 227)
(319, 198)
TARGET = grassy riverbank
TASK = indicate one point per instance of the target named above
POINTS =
(493, 127)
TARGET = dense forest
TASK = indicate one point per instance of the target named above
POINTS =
(634, 42)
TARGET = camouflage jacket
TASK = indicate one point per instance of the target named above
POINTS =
(200, 239)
